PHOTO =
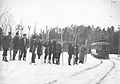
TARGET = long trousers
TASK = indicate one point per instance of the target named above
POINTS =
(14, 53)
(69, 59)
(5, 54)
(76, 59)
(46, 54)
(54, 57)
(5, 51)
(49, 59)
(33, 58)
(23, 53)
(58, 58)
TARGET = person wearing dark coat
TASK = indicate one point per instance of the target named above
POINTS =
(54, 51)
(23, 47)
(82, 54)
(39, 48)
(70, 52)
(50, 51)
(76, 54)
(6, 45)
(58, 53)
(46, 51)
(15, 45)
(33, 48)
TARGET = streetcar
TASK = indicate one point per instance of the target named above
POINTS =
(100, 49)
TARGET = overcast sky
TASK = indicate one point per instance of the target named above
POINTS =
(65, 12)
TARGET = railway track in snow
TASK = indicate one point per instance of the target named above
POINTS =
(88, 69)
(76, 73)
(108, 71)
(104, 76)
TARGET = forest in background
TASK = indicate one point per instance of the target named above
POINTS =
(78, 34)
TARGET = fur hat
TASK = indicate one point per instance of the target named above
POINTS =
(9, 33)
(24, 34)
(17, 33)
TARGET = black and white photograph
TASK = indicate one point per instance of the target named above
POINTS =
(59, 41)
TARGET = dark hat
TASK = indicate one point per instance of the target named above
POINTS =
(40, 37)
(9, 33)
(17, 33)
(33, 36)
(24, 34)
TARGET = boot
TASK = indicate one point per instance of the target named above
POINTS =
(38, 57)
(24, 58)
(69, 62)
(5, 59)
(49, 62)
(44, 61)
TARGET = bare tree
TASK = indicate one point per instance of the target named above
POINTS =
(5, 16)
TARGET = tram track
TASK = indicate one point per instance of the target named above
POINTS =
(108, 71)
(76, 73)
(101, 79)
(87, 69)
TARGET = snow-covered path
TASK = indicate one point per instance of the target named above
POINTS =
(22, 72)
(114, 76)
(91, 76)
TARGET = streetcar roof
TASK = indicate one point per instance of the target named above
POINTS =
(100, 43)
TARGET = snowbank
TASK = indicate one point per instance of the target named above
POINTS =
(21, 72)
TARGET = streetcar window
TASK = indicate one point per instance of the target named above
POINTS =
(104, 47)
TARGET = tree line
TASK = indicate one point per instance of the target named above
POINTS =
(79, 34)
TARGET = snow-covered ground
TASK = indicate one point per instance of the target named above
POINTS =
(22, 72)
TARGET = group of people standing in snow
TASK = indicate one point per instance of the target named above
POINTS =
(53, 49)
(19, 44)
(77, 52)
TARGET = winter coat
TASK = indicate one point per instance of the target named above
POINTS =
(82, 52)
(16, 42)
(7, 42)
(50, 47)
(39, 48)
(46, 48)
(76, 50)
(54, 47)
(58, 48)
(33, 45)
(70, 49)
(23, 45)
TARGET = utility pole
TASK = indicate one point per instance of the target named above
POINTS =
(112, 2)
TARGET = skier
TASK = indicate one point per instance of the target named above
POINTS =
(6, 45)
(15, 45)
(33, 48)
(70, 53)
(82, 53)
(76, 54)
(54, 51)
(39, 48)
(58, 53)
(46, 51)
(50, 51)
(23, 47)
